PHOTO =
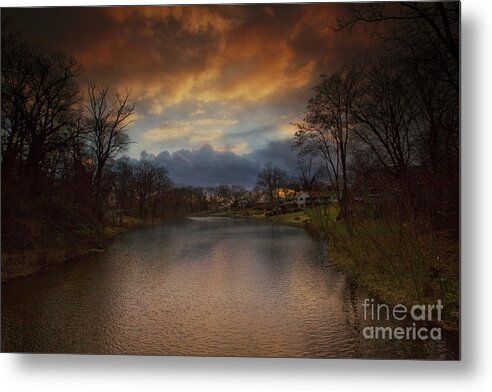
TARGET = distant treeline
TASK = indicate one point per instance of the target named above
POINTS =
(61, 171)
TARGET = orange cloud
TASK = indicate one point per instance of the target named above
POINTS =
(248, 59)
(191, 18)
(193, 136)
(186, 64)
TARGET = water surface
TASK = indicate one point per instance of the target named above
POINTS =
(201, 286)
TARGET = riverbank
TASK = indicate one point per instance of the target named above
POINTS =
(64, 247)
(155, 292)
(390, 262)
(396, 266)
(300, 218)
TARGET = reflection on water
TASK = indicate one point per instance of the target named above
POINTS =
(202, 286)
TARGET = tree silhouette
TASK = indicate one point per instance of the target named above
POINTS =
(328, 125)
(109, 118)
(270, 180)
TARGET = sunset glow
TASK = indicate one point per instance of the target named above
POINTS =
(233, 78)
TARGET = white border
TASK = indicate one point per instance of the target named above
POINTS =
(87, 373)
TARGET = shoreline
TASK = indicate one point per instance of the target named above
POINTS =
(59, 256)
(270, 219)
(339, 262)
(33, 262)
(375, 292)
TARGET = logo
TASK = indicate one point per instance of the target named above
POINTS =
(414, 317)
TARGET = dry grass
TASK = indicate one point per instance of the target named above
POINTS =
(399, 263)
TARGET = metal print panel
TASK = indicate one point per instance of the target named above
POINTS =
(277, 180)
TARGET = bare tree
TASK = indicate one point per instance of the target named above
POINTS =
(328, 126)
(109, 118)
(124, 184)
(270, 180)
(162, 184)
(237, 194)
(426, 30)
(387, 119)
(224, 196)
(39, 106)
(423, 41)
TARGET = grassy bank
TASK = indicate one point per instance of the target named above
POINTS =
(399, 266)
(395, 263)
(115, 226)
(297, 218)
(46, 232)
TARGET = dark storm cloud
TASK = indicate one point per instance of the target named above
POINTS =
(208, 167)
(279, 152)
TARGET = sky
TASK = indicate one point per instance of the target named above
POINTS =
(216, 88)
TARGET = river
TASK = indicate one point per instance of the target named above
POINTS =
(199, 286)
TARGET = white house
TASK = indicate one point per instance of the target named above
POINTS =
(302, 198)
